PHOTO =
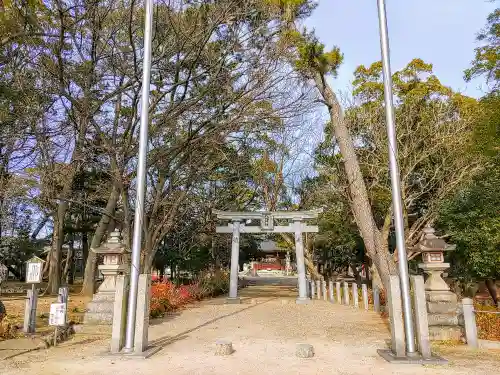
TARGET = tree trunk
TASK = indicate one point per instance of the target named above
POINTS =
(56, 250)
(357, 275)
(492, 288)
(375, 243)
(375, 277)
(69, 261)
(91, 263)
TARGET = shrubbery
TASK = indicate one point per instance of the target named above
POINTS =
(488, 325)
(166, 296)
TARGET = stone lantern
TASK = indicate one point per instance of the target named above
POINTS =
(100, 310)
(432, 249)
(442, 303)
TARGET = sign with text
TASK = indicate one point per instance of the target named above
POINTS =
(34, 273)
(57, 314)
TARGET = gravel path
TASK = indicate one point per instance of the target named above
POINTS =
(264, 331)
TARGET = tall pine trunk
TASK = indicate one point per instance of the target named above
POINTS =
(56, 249)
(376, 242)
(91, 263)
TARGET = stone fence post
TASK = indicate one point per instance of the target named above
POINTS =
(364, 290)
(470, 322)
(376, 299)
(330, 291)
(355, 297)
(346, 293)
(339, 293)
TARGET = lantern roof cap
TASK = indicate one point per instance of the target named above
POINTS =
(113, 245)
(431, 242)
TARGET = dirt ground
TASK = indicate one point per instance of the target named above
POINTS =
(264, 331)
(15, 306)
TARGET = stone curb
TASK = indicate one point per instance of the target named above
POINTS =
(489, 344)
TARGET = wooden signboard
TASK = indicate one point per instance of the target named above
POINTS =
(34, 270)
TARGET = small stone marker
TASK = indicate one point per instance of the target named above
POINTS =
(223, 347)
(304, 351)
(330, 290)
(318, 288)
(312, 289)
(323, 285)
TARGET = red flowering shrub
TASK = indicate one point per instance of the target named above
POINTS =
(370, 296)
(166, 297)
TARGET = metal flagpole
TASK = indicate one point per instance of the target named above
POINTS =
(141, 180)
(395, 183)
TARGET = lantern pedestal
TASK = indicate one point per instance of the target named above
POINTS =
(442, 304)
(100, 309)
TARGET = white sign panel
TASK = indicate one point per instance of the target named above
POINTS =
(34, 273)
(57, 314)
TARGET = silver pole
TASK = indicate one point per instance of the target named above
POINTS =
(141, 180)
(395, 185)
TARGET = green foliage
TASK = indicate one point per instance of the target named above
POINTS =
(472, 219)
(487, 56)
(338, 243)
(18, 246)
(472, 216)
(311, 55)
(487, 129)
(434, 126)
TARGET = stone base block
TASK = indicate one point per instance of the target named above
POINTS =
(233, 301)
(411, 360)
(445, 333)
(92, 329)
(302, 301)
(109, 297)
(441, 296)
(139, 355)
(99, 318)
(443, 319)
(441, 308)
(100, 307)
(304, 351)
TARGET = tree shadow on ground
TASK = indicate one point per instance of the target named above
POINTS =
(165, 318)
(167, 340)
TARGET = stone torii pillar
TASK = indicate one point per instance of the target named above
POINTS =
(235, 265)
(301, 265)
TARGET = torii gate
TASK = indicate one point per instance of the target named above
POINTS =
(237, 226)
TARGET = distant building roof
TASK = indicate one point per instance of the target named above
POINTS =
(268, 246)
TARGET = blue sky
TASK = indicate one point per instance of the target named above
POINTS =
(441, 32)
